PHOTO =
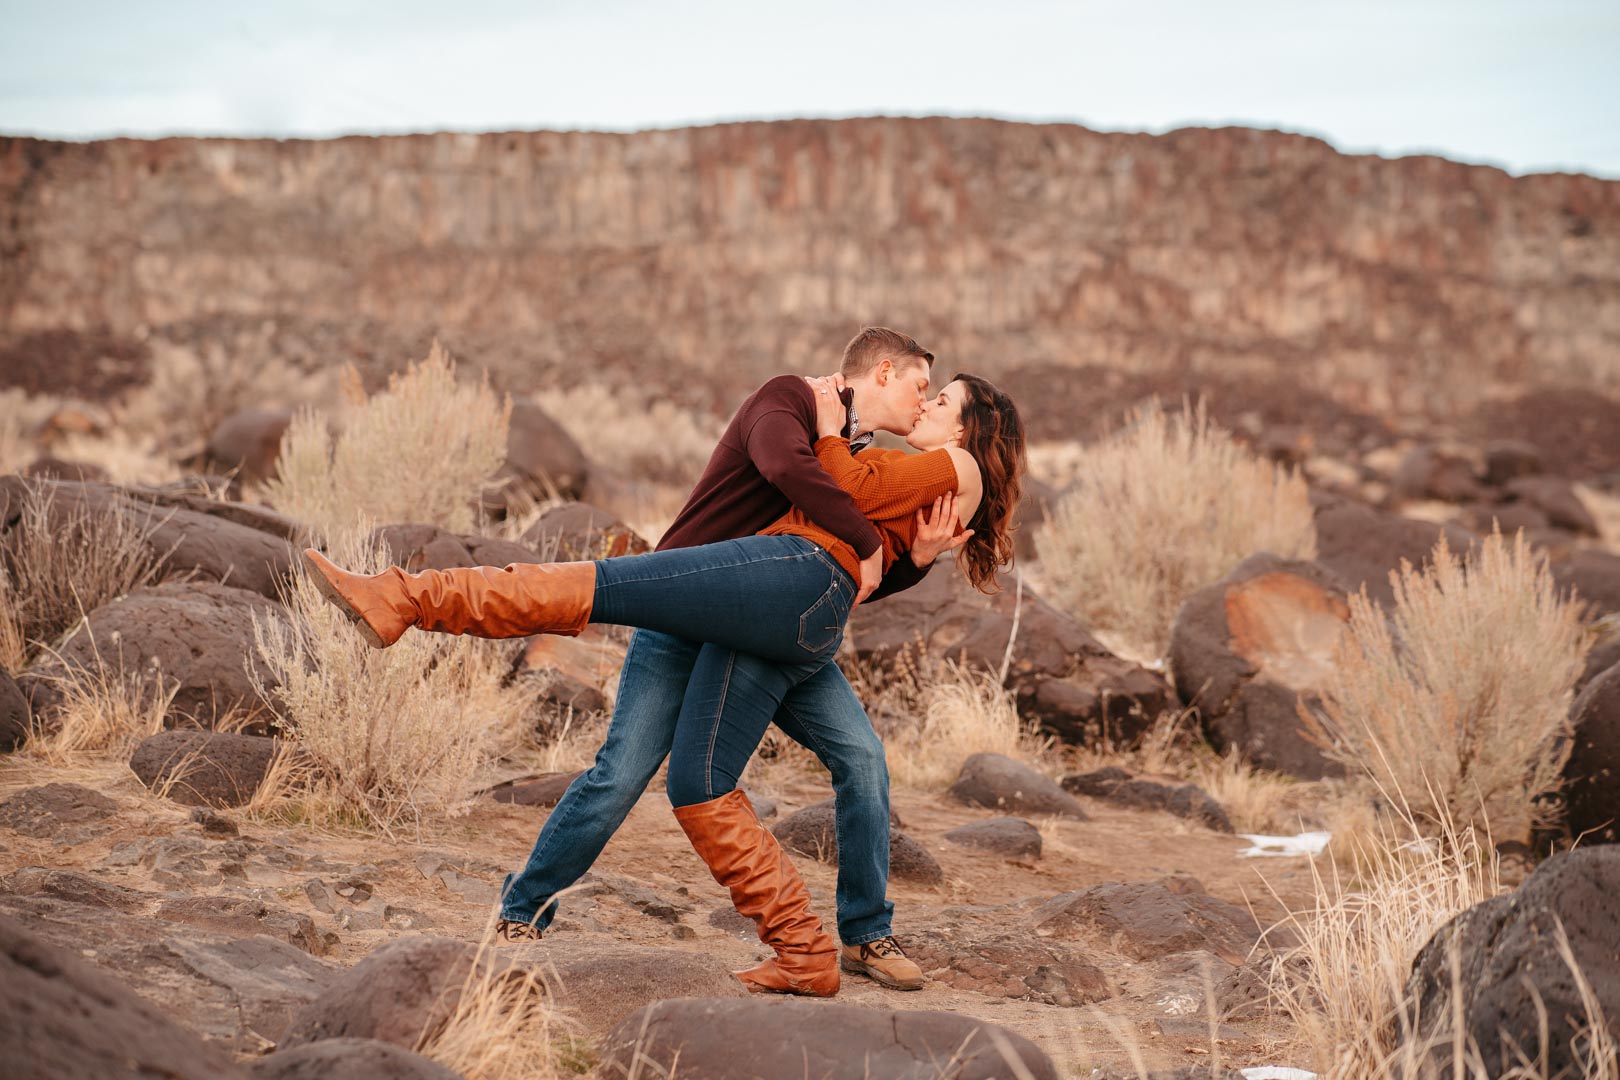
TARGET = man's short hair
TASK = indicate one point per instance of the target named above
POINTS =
(875, 344)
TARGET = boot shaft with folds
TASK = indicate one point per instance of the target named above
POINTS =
(745, 858)
(514, 601)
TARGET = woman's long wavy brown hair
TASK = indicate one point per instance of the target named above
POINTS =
(993, 433)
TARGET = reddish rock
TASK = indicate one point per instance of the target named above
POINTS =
(51, 468)
(51, 809)
(1509, 459)
(196, 538)
(542, 459)
(355, 1058)
(1251, 649)
(813, 831)
(414, 547)
(1017, 965)
(248, 441)
(403, 991)
(577, 531)
(1010, 837)
(1556, 499)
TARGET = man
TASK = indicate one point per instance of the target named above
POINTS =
(763, 464)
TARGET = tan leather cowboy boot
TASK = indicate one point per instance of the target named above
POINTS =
(745, 858)
(514, 601)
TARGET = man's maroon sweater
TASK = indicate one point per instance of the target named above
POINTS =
(764, 464)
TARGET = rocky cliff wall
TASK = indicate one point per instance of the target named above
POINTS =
(683, 255)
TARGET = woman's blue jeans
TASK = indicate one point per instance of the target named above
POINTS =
(781, 598)
(770, 611)
(773, 610)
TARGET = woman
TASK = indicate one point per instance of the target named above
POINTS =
(740, 595)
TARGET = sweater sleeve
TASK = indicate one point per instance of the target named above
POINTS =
(888, 486)
(778, 443)
(898, 578)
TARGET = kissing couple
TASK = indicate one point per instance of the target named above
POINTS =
(738, 614)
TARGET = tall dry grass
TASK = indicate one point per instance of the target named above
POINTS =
(57, 566)
(392, 735)
(1461, 694)
(102, 710)
(504, 1026)
(940, 712)
(420, 451)
(1163, 508)
(1344, 986)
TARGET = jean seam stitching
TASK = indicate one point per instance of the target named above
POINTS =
(714, 728)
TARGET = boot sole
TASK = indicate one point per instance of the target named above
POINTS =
(851, 967)
(330, 592)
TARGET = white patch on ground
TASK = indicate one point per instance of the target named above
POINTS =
(1276, 1072)
(1306, 843)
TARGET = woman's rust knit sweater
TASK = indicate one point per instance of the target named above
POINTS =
(889, 487)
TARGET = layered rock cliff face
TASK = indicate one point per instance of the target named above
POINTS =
(701, 254)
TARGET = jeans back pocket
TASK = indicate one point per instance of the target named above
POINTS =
(822, 626)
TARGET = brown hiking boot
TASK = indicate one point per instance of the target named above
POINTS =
(884, 961)
(514, 932)
(484, 601)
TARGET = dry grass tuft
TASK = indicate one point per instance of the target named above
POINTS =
(503, 1026)
(1344, 986)
(55, 567)
(394, 734)
(1463, 691)
(420, 451)
(1163, 508)
(103, 711)
(940, 712)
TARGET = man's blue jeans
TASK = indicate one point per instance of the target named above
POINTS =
(821, 712)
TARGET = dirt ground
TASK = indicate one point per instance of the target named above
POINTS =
(1151, 1017)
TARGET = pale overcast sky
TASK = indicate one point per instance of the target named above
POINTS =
(1530, 85)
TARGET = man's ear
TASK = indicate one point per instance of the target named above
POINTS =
(884, 369)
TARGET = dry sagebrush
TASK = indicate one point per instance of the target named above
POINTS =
(1460, 696)
(421, 451)
(945, 712)
(392, 734)
(57, 566)
(1163, 508)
